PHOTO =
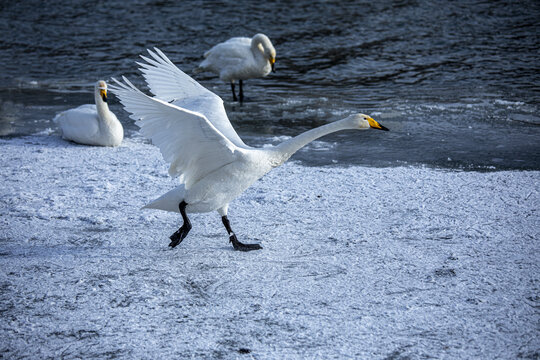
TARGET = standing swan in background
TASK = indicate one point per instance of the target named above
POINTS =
(92, 124)
(189, 125)
(240, 58)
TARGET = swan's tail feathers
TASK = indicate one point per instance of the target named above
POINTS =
(168, 201)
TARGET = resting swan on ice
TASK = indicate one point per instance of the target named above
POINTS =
(240, 58)
(92, 124)
(189, 125)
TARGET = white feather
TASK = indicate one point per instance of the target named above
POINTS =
(169, 83)
(188, 141)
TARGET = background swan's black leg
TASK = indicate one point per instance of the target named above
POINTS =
(233, 92)
(232, 238)
(241, 95)
(181, 233)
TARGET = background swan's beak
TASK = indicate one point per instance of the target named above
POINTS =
(272, 62)
(103, 94)
(375, 125)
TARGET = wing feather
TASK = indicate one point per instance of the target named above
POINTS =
(167, 82)
(187, 140)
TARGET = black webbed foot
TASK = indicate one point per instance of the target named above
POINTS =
(237, 245)
(181, 233)
(232, 238)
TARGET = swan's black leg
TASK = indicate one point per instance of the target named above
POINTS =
(241, 92)
(232, 238)
(233, 92)
(181, 233)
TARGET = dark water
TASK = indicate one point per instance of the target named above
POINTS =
(458, 83)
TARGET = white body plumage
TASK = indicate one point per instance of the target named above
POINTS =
(240, 58)
(218, 189)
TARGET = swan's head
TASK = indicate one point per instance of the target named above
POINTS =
(265, 46)
(362, 121)
(101, 90)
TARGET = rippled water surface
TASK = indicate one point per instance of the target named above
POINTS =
(457, 83)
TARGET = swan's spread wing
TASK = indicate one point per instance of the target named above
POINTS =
(169, 83)
(187, 140)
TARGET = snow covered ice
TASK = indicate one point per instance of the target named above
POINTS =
(358, 262)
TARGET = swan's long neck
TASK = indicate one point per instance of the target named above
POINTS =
(102, 108)
(287, 148)
(257, 48)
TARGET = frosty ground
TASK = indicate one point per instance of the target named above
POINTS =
(358, 262)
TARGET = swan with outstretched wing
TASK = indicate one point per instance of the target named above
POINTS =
(191, 128)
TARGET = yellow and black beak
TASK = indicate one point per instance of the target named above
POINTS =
(272, 62)
(103, 94)
(375, 125)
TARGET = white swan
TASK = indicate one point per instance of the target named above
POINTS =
(189, 125)
(240, 58)
(92, 124)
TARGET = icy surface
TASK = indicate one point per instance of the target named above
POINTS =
(357, 262)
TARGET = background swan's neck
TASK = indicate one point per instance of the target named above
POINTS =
(257, 48)
(287, 148)
(102, 107)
